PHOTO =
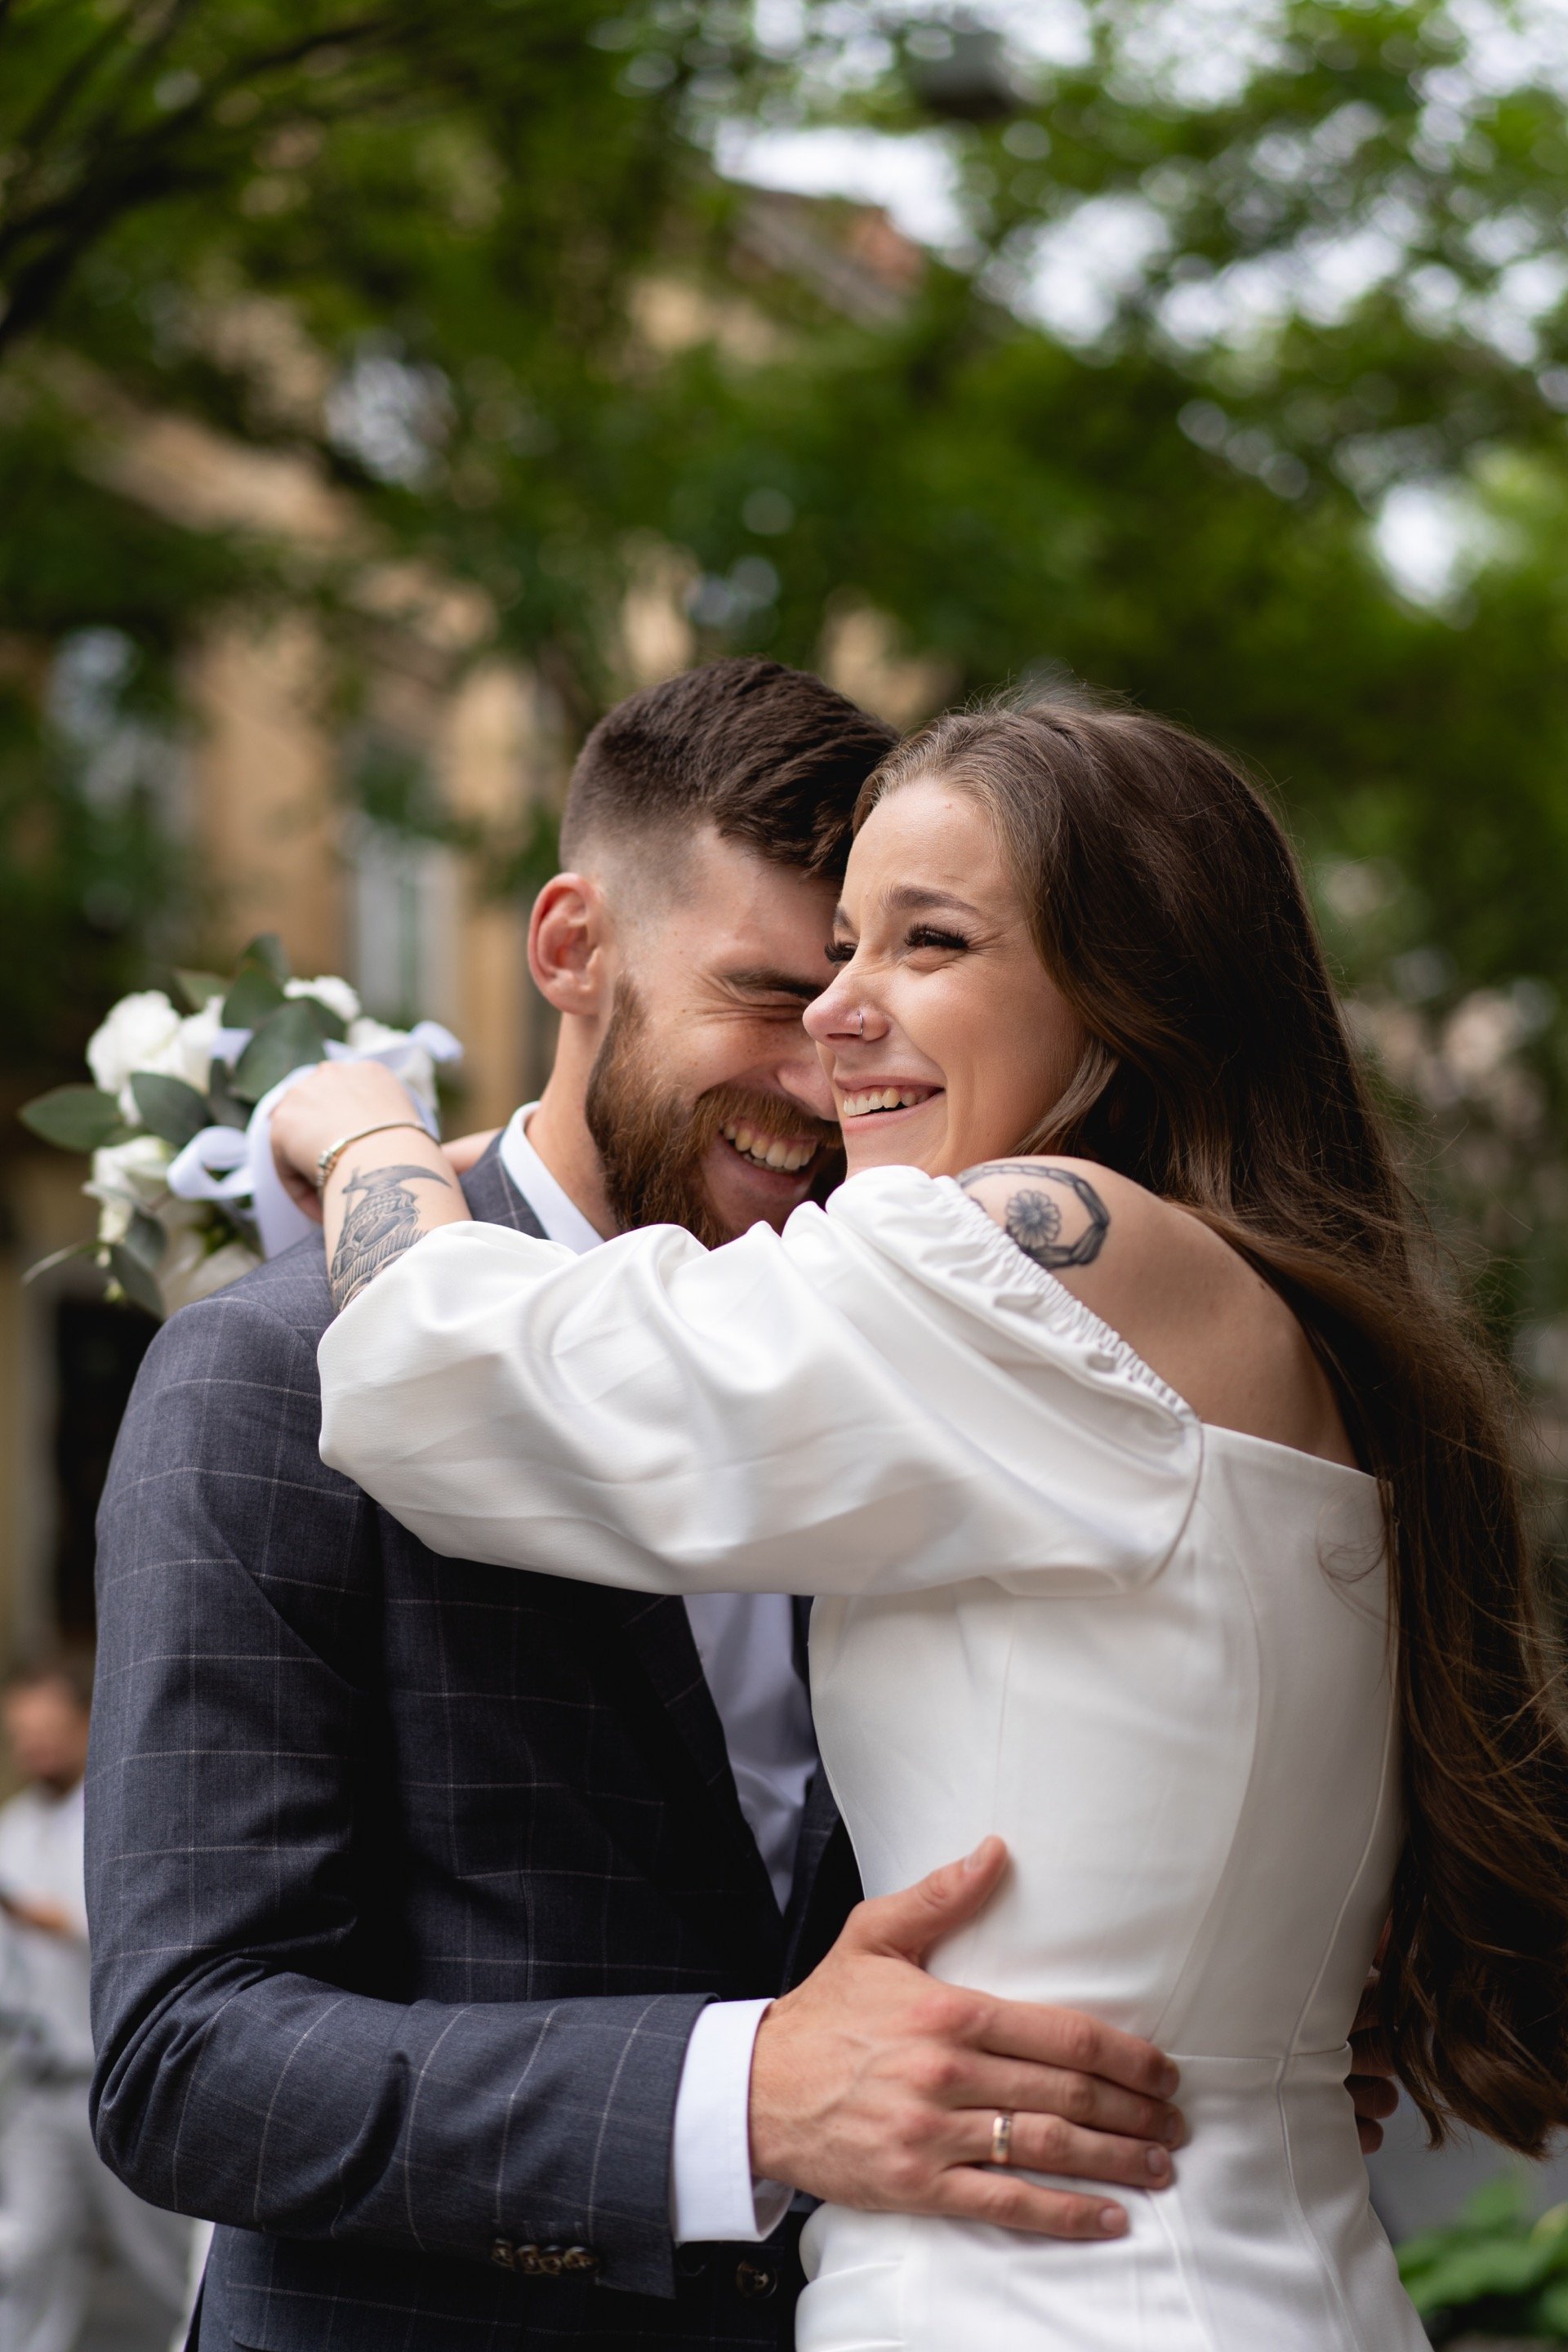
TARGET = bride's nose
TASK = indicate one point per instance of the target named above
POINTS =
(840, 1016)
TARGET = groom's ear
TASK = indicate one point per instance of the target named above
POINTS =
(570, 946)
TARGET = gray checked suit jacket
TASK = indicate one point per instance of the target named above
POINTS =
(408, 1878)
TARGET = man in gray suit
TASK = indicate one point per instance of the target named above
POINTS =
(441, 1914)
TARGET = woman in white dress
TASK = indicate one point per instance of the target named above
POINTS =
(1087, 1409)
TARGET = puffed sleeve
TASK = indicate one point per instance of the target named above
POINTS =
(887, 1396)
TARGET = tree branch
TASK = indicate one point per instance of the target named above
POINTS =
(126, 171)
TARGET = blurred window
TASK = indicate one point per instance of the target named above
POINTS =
(98, 1350)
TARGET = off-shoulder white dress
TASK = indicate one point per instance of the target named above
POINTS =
(1152, 1655)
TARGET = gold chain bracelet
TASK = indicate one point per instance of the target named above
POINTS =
(328, 1158)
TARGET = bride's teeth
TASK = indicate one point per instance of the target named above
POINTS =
(884, 1098)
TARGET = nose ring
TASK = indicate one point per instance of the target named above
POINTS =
(861, 1031)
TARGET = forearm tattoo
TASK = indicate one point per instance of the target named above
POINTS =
(376, 1228)
(1056, 1217)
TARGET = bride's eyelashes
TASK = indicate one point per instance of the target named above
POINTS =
(920, 935)
(926, 935)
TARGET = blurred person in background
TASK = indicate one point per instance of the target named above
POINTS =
(71, 2235)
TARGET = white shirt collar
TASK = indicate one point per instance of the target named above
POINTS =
(559, 1215)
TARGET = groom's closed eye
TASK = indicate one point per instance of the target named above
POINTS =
(772, 989)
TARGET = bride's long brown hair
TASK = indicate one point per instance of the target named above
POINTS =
(1168, 909)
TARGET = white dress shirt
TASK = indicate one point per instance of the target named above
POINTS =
(746, 1644)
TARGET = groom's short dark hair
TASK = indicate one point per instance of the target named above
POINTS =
(771, 758)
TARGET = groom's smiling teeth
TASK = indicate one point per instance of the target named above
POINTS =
(787, 1156)
(861, 1105)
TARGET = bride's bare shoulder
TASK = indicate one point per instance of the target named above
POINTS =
(1099, 1231)
(1181, 1297)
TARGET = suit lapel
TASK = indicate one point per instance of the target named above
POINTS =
(495, 1199)
(656, 1628)
(825, 1882)
(658, 1634)
(659, 1631)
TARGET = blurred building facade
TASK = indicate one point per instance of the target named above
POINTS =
(275, 786)
(277, 843)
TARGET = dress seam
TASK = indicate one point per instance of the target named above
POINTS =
(1197, 2303)
(1249, 1784)
(1351, 2334)
(1329, 2269)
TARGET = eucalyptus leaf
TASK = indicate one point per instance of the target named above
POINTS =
(253, 998)
(283, 1043)
(77, 1118)
(146, 1240)
(139, 1285)
(329, 1023)
(265, 952)
(169, 1107)
(199, 988)
(225, 1105)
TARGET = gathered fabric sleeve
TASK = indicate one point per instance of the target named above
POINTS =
(887, 1396)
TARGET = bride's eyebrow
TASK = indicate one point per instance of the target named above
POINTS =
(909, 898)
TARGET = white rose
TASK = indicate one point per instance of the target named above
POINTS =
(417, 1070)
(190, 1056)
(176, 1217)
(138, 1030)
(188, 1053)
(368, 1037)
(335, 995)
(113, 1218)
(134, 1172)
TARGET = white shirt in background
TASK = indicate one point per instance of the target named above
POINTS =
(46, 1975)
(746, 1644)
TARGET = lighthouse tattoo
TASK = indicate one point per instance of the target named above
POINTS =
(377, 1227)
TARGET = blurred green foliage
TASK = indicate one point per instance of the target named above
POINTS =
(1332, 276)
(1496, 2271)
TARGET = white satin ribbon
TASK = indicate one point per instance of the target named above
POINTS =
(229, 1163)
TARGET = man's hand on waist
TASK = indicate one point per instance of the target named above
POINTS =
(876, 2085)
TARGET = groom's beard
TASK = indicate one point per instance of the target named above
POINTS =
(653, 1143)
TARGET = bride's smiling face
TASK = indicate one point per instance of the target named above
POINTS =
(941, 1000)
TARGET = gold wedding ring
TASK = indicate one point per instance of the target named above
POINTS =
(1001, 2139)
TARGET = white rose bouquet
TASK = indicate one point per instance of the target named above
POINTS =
(177, 1118)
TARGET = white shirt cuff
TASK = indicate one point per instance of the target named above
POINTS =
(711, 2192)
